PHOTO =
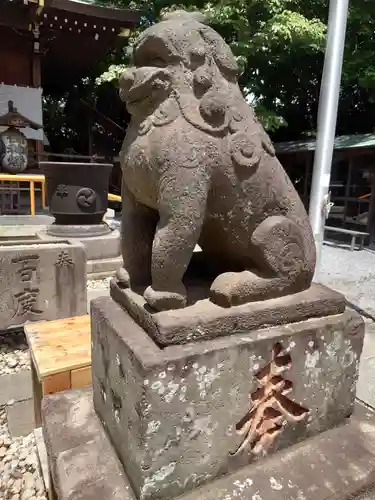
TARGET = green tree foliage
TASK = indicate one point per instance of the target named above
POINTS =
(279, 45)
(269, 38)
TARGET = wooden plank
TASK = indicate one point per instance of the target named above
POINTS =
(46, 326)
(37, 395)
(61, 345)
(80, 377)
(56, 383)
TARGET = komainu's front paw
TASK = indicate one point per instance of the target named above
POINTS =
(165, 300)
(123, 278)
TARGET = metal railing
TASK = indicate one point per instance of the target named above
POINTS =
(39, 178)
(31, 179)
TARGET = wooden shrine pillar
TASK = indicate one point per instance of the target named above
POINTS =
(37, 76)
(36, 9)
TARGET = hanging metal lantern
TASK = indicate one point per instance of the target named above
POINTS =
(15, 155)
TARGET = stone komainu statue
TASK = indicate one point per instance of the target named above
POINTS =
(199, 168)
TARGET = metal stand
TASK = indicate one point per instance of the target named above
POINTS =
(327, 117)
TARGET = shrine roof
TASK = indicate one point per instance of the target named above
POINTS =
(19, 13)
(112, 16)
(74, 35)
(341, 142)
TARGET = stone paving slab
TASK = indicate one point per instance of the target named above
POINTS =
(83, 473)
(68, 421)
(20, 418)
(83, 464)
(16, 387)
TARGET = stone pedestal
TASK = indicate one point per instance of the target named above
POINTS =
(78, 231)
(185, 415)
(14, 227)
(204, 320)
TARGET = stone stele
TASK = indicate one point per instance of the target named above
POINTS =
(41, 281)
(103, 253)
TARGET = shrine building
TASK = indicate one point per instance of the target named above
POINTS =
(47, 46)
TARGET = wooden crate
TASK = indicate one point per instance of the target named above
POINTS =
(60, 356)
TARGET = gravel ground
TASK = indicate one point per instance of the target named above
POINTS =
(14, 353)
(19, 470)
(351, 273)
(94, 284)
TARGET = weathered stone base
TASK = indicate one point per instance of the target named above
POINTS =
(338, 464)
(181, 416)
(14, 227)
(78, 231)
(204, 320)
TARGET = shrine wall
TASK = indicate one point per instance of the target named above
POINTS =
(15, 57)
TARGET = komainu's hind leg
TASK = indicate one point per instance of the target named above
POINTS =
(285, 259)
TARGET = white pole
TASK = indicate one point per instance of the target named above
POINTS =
(327, 117)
